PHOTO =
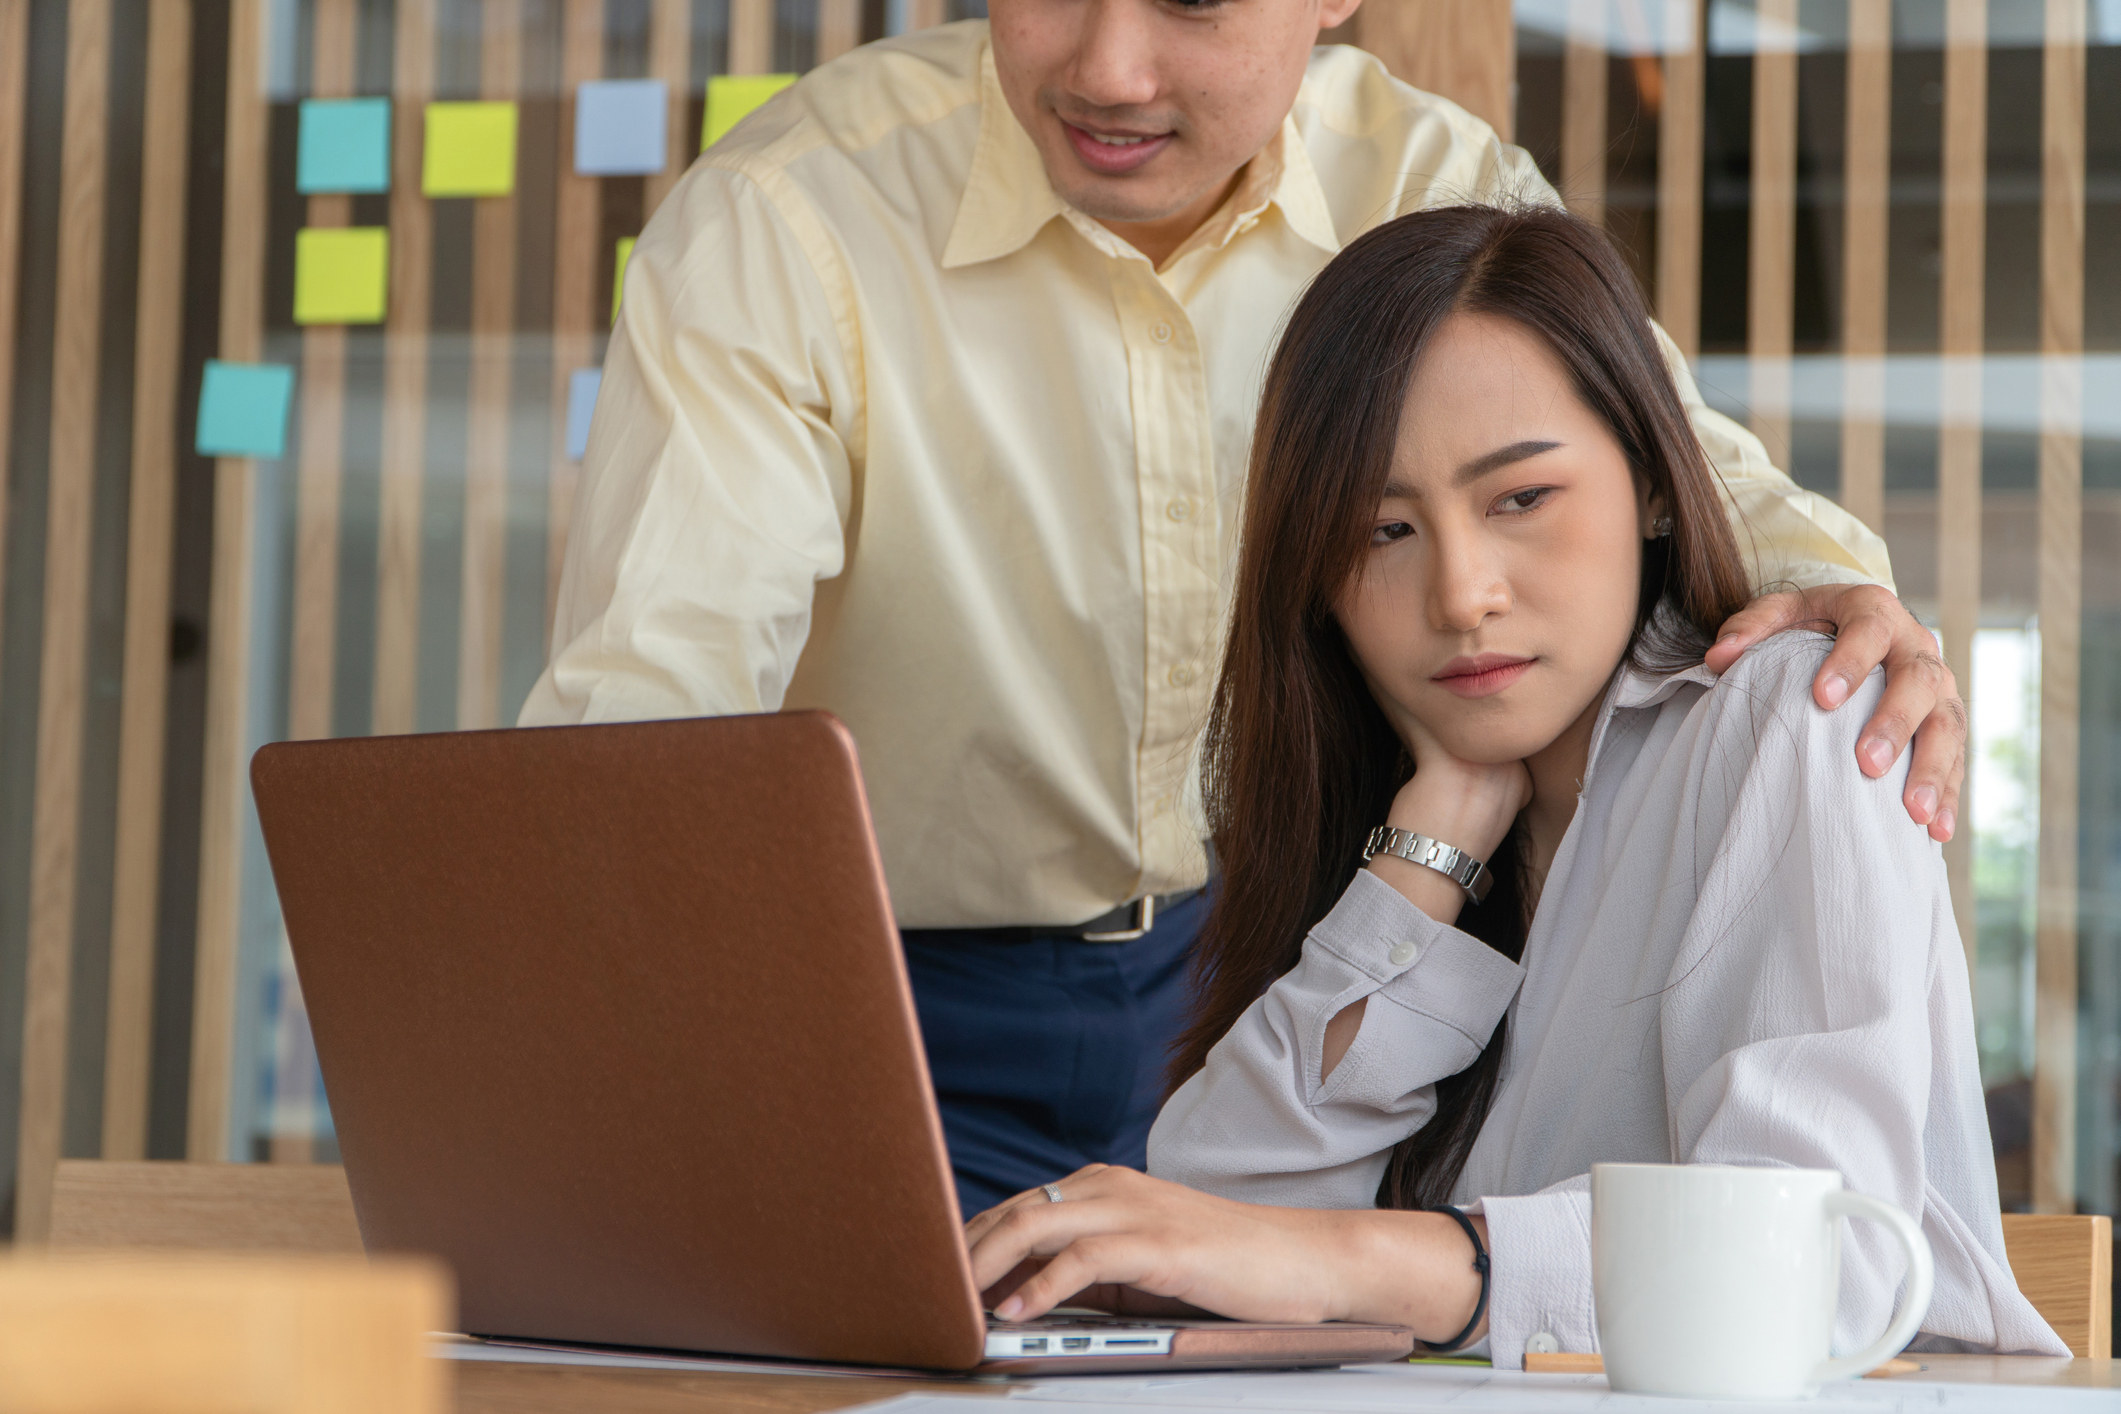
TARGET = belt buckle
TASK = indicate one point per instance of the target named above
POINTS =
(1144, 920)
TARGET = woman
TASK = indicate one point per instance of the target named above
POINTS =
(1482, 556)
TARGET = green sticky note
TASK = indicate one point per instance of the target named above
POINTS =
(730, 97)
(618, 278)
(342, 275)
(243, 409)
(470, 149)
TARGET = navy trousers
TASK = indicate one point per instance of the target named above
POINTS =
(1048, 1053)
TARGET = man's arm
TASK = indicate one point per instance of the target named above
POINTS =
(718, 480)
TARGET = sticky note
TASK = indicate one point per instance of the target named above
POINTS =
(243, 409)
(342, 274)
(343, 144)
(470, 149)
(619, 127)
(730, 97)
(618, 276)
(582, 387)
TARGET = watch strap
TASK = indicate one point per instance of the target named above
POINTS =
(1450, 861)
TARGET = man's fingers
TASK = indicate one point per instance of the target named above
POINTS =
(1862, 641)
(1915, 687)
(1937, 768)
(1768, 614)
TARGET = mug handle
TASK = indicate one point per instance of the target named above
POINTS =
(1921, 1277)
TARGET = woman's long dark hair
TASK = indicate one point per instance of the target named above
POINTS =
(1300, 762)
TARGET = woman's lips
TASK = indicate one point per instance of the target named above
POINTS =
(1484, 676)
(1113, 158)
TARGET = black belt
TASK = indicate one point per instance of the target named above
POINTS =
(1123, 924)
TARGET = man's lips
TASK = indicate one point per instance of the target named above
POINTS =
(1483, 676)
(1118, 153)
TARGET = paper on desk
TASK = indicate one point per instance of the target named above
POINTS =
(1409, 1389)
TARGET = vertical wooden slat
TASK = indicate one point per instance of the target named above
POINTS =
(404, 471)
(1959, 434)
(1679, 175)
(670, 59)
(14, 74)
(577, 218)
(150, 548)
(313, 654)
(839, 28)
(924, 14)
(243, 235)
(750, 36)
(1771, 277)
(2062, 182)
(62, 685)
(1465, 50)
(493, 293)
(1867, 206)
(1584, 68)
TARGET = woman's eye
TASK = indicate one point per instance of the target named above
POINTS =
(1529, 499)
(1390, 531)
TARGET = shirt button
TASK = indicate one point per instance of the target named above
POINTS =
(1179, 508)
(1542, 1344)
(1161, 332)
(1401, 954)
(1181, 674)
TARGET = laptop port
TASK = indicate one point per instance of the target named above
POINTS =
(1075, 1342)
(1114, 1343)
(1034, 1345)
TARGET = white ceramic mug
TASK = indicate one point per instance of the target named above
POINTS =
(1720, 1282)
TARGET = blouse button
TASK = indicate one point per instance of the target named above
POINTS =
(1161, 332)
(1401, 954)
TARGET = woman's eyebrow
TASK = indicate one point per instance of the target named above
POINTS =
(1502, 456)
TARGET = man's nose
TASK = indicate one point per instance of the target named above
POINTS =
(1467, 583)
(1115, 55)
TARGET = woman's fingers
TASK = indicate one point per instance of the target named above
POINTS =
(1087, 1262)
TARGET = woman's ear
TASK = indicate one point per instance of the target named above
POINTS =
(1653, 519)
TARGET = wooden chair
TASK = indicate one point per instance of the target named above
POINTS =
(2064, 1264)
(222, 1207)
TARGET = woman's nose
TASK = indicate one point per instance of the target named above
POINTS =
(1467, 585)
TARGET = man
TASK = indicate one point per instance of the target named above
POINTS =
(930, 405)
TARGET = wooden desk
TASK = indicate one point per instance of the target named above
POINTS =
(495, 1388)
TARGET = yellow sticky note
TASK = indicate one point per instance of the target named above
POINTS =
(618, 278)
(470, 149)
(730, 97)
(342, 274)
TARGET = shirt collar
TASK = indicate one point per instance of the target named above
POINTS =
(1008, 200)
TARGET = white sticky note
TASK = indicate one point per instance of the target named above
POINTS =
(582, 386)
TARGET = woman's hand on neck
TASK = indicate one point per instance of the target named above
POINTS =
(1466, 804)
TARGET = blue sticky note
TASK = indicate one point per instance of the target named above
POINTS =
(243, 409)
(582, 388)
(620, 126)
(344, 145)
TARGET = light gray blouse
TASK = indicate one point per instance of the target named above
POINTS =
(1744, 953)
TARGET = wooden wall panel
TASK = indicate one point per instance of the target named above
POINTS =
(14, 94)
(1679, 137)
(750, 37)
(839, 28)
(149, 563)
(1771, 272)
(404, 474)
(493, 293)
(2062, 184)
(62, 698)
(577, 221)
(1959, 437)
(1867, 204)
(670, 59)
(224, 787)
(1584, 67)
(1465, 50)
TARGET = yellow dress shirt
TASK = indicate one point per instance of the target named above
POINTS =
(887, 428)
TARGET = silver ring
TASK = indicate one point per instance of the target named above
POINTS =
(1052, 1192)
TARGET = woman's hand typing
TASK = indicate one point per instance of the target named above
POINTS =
(1119, 1235)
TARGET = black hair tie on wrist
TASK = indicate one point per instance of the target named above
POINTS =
(1480, 1264)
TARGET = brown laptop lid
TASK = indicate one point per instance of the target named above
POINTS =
(613, 1019)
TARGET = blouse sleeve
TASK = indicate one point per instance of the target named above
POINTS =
(1818, 987)
(1257, 1123)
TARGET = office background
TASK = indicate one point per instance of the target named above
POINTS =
(292, 387)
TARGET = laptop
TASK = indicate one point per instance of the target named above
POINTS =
(614, 1020)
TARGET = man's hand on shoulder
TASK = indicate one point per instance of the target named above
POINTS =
(1921, 703)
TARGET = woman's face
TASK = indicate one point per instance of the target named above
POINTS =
(1499, 588)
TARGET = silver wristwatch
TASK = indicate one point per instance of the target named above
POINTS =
(1450, 861)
